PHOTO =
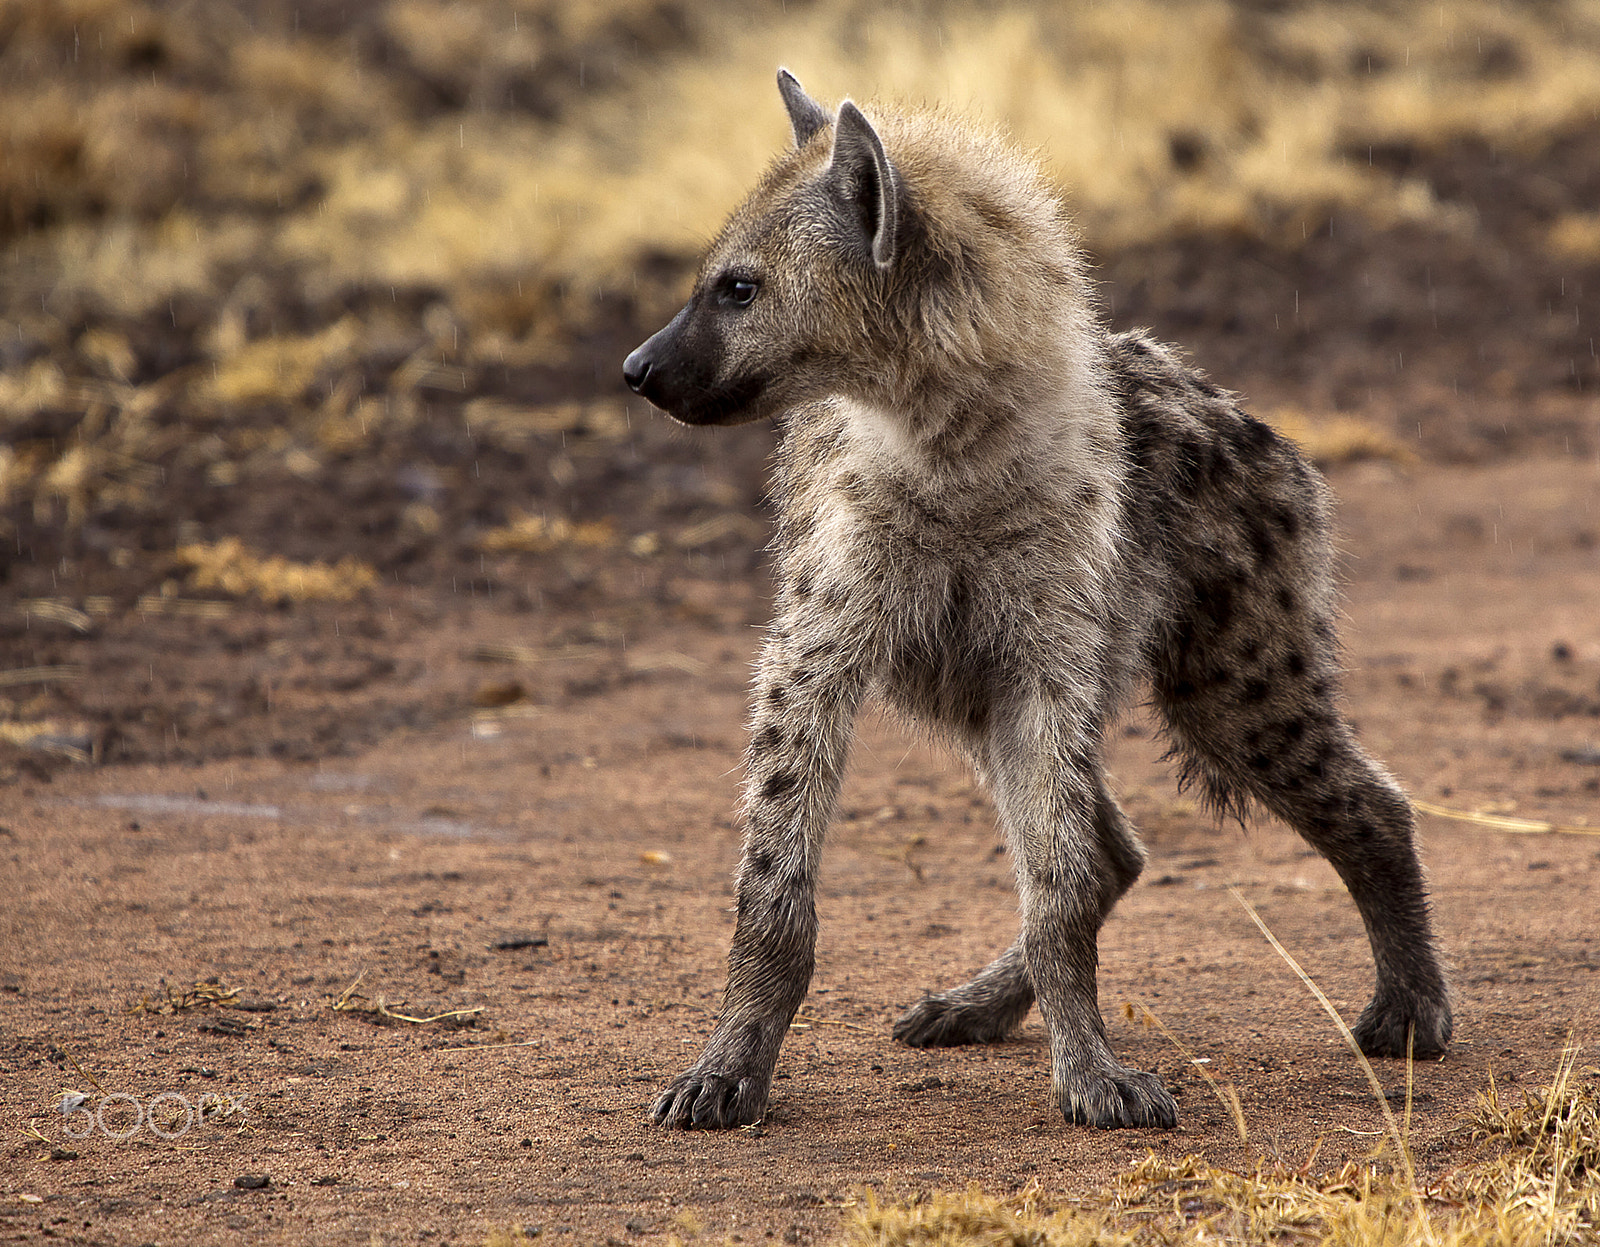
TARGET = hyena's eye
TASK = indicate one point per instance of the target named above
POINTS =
(739, 291)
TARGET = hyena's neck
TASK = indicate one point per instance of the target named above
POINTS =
(1035, 410)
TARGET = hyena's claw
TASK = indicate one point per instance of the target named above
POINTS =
(1118, 1098)
(1384, 1027)
(937, 1021)
(705, 1101)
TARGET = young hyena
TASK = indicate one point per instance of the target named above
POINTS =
(1000, 516)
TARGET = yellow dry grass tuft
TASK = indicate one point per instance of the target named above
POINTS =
(1332, 440)
(955, 1219)
(280, 368)
(1543, 1189)
(202, 994)
(536, 533)
(513, 1237)
(1551, 1169)
(228, 567)
(1576, 235)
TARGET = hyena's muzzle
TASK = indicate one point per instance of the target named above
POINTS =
(684, 370)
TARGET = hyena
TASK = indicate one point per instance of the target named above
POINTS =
(1001, 517)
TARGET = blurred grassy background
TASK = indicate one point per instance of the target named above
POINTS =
(354, 277)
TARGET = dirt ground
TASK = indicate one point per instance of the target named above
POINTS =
(562, 864)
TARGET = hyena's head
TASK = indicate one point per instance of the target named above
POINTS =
(867, 262)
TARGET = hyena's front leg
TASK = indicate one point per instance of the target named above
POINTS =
(1047, 790)
(800, 735)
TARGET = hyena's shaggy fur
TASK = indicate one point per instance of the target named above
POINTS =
(1001, 517)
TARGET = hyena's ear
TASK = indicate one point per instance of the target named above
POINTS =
(862, 176)
(805, 114)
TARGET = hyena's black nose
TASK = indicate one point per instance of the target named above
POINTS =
(636, 370)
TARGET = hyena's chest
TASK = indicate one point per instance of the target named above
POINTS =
(959, 657)
(945, 620)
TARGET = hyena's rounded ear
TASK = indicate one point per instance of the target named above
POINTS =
(863, 178)
(805, 114)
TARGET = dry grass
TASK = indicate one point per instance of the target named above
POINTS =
(1552, 1165)
(380, 1010)
(228, 567)
(1332, 440)
(537, 533)
(1503, 823)
(201, 995)
(1542, 1188)
(1160, 118)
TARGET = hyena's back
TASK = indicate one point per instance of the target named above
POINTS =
(1234, 529)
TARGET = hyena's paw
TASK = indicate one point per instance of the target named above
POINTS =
(1114, 1097)
(1384, 1026)
(701, 1099)
(939, 1021)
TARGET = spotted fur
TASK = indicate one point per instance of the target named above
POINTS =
(1003, 519)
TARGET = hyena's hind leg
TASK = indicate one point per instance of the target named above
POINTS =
(985, 1009)
(994, 1001)
(1255, 716)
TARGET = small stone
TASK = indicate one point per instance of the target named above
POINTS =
(253, 1181)
(499, 693)
(222, 1025)
(63, 1153)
